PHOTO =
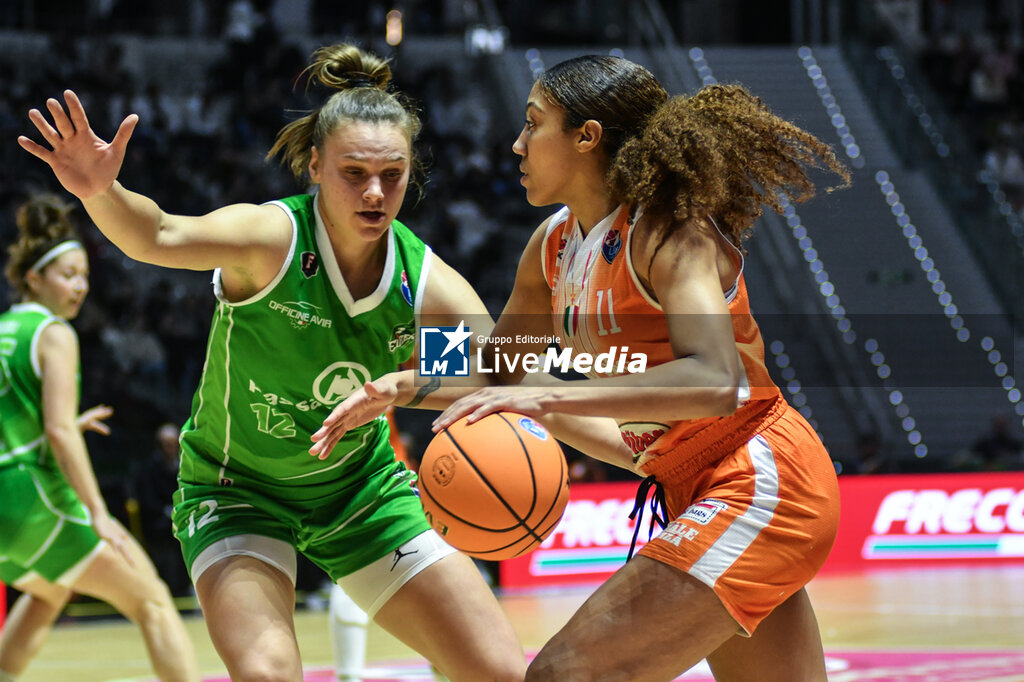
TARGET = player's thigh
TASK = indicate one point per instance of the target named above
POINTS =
(248, 606)
(449, 614)
(649, 621)
(127, 586)
(786, 647)
(50, 593)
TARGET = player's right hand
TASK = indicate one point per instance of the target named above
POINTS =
(83, 163)
(362, 407)
(115, 534)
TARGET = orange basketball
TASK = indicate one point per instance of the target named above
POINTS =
(494, 489)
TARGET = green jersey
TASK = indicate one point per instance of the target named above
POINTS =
(44, 529)
(22, 435)
(278, 362)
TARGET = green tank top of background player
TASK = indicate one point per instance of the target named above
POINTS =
(279, 361)
(22, 435)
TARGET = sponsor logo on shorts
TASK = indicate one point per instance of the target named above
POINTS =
(399, 555)
(676, 532)
(702, 512)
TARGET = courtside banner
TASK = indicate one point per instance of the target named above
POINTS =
(588, 545)
(931, 519)
(889, 521)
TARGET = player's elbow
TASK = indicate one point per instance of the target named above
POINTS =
(723, 400)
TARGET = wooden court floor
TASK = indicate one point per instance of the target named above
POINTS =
(935, 610)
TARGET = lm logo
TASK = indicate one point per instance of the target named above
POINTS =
(444, 351)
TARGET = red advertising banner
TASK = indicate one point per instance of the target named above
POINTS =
(932, 519)
(886, 521)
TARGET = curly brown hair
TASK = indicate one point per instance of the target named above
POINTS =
(362, 80)
(719, 153)
(44, 221)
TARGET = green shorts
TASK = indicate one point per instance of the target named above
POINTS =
(340, 532)
(44, 528)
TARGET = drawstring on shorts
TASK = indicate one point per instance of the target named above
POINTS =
(658, 508)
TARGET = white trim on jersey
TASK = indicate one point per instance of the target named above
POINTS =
(367, 303)
(218, 285)
(734, 289)
(29, 307)
(556, 219)
(629, 263)
(421, 284)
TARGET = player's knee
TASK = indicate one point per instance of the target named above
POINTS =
(558, 663)
(269, 664)
(267, 671)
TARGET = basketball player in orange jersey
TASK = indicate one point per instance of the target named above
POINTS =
(647, 253)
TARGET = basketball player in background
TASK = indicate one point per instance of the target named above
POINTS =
(647, 252)
(318, 275)
(56, 534)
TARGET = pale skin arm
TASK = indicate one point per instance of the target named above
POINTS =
(701, 382)
(249, 242)
(58, 357)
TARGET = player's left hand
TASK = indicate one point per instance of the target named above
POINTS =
(93, 418)
(362, 407)
(477, 405)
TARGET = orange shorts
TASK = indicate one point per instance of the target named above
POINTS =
(756, 526)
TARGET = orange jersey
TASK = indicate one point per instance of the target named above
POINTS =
(752, 500)
(598, 302)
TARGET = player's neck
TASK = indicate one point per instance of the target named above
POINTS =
(590, 213)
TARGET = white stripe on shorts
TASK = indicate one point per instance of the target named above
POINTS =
(745, 528)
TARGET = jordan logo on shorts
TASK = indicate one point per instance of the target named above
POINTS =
(399, 554)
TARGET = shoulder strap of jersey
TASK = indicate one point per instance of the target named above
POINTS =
(553, 235)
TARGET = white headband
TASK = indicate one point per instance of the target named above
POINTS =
(57, 250)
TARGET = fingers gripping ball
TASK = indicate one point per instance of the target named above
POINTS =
(496, 488)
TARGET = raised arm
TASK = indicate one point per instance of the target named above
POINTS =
(248, 242)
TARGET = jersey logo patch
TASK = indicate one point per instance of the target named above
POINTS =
(612, 245)
(406, 291)
(309, 263)
(338, 381)
(401, 336)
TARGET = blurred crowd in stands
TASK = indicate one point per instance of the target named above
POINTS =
(972, 54)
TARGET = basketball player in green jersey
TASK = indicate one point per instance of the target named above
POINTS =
(56, 534)
(317, 294)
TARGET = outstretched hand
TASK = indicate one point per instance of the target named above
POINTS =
(83, 163)
(362, 407)
(93, 418)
